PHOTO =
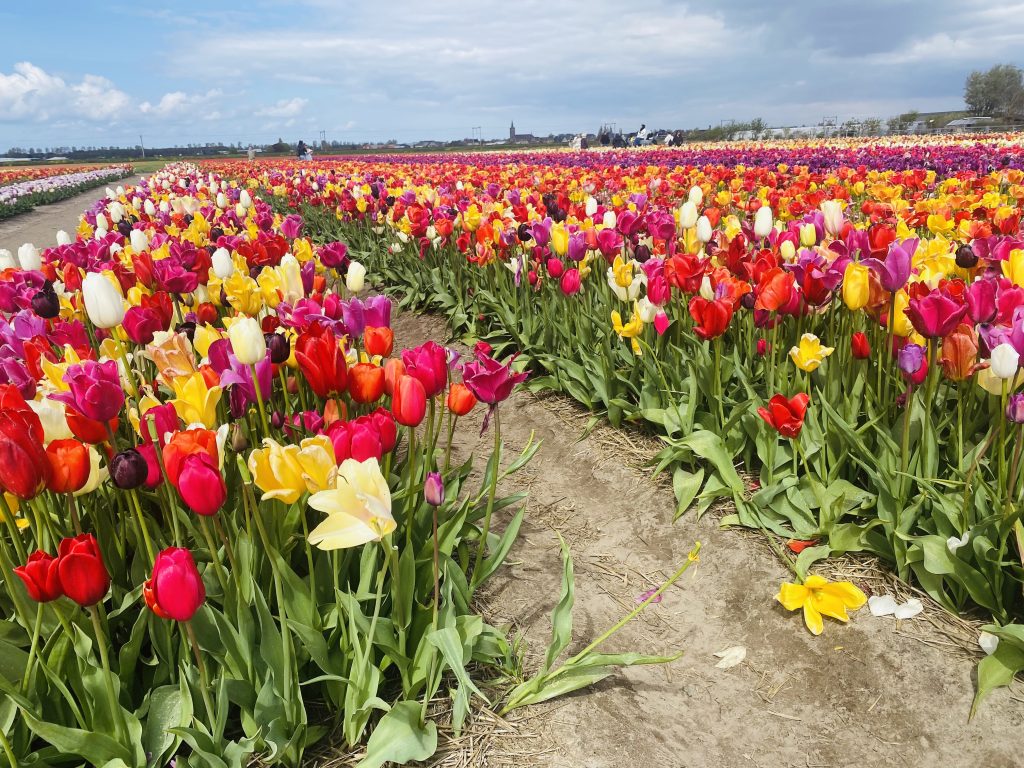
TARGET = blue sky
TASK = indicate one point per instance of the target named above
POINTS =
(82, 73)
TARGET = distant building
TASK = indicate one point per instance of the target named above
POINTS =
(520, 138)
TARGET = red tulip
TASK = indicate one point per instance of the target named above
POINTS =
(201, 485)
(41, 578)
(386, 427)
(321, 360)
(378, 341)
(460, 399)
(860, 347)
(70, 465)
(409, 401)
(710, 318)
(366, 382)
(24, 466)
(394, 369)
(775, 290)
(89, 430)
(359, 439)
(786, 416)
(83, 576)
(175, 590)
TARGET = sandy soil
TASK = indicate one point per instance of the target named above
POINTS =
(866, 694)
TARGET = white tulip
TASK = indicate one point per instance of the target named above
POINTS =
(223, 265)
(696, 195)
(247, 341)
(1004, 361)
(646, 309)
(110, 193)
(63, 238)
(165, 207)
(29, 258)
(245, 199)
(704, 229)
(139, 241)
(103, 301)
(222, 200)
(763, 221)
(355, 277)
(137, 203)
(239, 210)
(609, 220)
(808, 235)
(591, 206)
(687, 215)
(120, 191)
(291, 279)
(7, 260)
(706, 291)
(116, 211)
(149, 208)
(53, 418)
(832, 210)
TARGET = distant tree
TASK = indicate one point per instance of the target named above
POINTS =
(998, 91)
(280, 146)
(758, 127)
(872, 126)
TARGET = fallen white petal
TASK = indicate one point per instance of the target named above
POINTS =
(882, 605)
(909, 609)
(988, 643)
(953, 543)
(730, 657)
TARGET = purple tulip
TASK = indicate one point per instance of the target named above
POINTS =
(291, 226)
(981, 301)
(433, 489)
(894, 271)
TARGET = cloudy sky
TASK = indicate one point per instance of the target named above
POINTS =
(415, 69)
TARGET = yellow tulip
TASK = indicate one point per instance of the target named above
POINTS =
(623, 271)
(630, 330)
(1013, 267)
(358, 508)
(204, 337)
(810, 353)
(243, 293)
(559, 240)
(819, 597)
(856, 286)
(194, 402)
(286, 472)
(901, 325)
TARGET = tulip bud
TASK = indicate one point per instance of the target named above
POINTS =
(239, 442)
(409, 401)
(433, 489)
(590, 206)
(642, 254)
(609, 220)
(46, 303)
(139, 241)
(355, 277)
(280, 349)
(128, 469)
(1015, 408)
(762, 347)
(83, 576)
(103, 302)
(222, 200)
(763, 221)
(29, 258)
(706, 291)
(245, 199)
(695, 196)
(175, 590)
(787, 250)
(223, 266)
(687, 215)
(860, 347)
(149, 208)
(808, 235)
(966, 258)
(63, 238)
(704, 229)
(247, 341)
(832, 212)
(1004, 361)
(460, 399)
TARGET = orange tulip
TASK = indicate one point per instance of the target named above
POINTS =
(366, 382)
(70, 465)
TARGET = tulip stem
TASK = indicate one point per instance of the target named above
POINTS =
(73, 513)
(32, 648)
(259, 401)
(137, 509)
(491, 493)
(128, 371)
(108, 677)
(204, 681)
(12, 526)
(214, 555)
(7, 749)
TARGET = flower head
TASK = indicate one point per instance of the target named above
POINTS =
(819, 597)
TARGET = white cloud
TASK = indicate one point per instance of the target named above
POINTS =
(177, 103)
(284, 108)
(30, 93)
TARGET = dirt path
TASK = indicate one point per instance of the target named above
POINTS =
(867, 694)
(40, 225)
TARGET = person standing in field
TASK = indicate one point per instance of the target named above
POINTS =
(251, 153)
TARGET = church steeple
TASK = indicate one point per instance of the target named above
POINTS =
(512, 131)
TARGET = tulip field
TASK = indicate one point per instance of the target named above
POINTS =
(21, 189)
(241, 523)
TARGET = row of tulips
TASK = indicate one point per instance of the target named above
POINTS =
(852, 337)
(236, 520)
(23, 194)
